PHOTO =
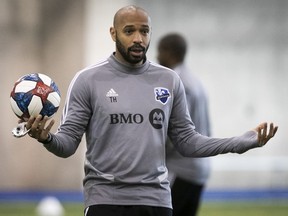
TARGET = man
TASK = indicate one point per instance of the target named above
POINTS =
(190, 174)
(124, 105)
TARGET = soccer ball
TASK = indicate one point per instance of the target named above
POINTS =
(34, 94)
(50, 206)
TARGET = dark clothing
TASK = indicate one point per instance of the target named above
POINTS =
(186, 197)
(118, 210)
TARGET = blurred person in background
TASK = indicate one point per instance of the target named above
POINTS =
(188, 175)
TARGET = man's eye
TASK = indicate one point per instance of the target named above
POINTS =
(128, 31)
(146, 31)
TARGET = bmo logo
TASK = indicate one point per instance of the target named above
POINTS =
(156, 118)
(121, 118)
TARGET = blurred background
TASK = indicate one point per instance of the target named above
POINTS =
(239, 49)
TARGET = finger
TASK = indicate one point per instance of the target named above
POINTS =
(45, 132)
(30, 122)
(273, 130)
(35, 130)
(41, 124)
(264, 131)
(36, 124)
(20, 121)
(260, 126)
(42, 134)
(265, 138)
(261, 135)
(50, 125)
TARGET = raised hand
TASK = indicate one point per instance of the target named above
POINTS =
(38, 128)
(263, 135)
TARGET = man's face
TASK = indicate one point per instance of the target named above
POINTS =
(134, 54)
(132, 37)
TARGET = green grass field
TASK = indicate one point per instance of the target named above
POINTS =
(29, 209)
(207, 209)
(244, 208)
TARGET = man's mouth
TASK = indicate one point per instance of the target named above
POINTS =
(136, 51)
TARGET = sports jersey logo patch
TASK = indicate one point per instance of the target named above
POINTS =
(112, 94)
(156, 118)
(161, 94)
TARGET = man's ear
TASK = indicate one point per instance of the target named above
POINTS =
(113, 33)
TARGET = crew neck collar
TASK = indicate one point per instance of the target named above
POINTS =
(138, 69)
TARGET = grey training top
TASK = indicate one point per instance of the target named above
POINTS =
(125, 113)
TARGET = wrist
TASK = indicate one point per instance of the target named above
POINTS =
(48, 140)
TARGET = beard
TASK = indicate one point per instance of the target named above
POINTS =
(126, 54)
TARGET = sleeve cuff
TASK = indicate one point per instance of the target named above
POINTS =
(48, 140)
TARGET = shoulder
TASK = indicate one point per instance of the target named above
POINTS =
(165, 70)
(83, 77)
(94, 67)
(90, 70)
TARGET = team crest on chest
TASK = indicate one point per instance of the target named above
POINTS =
(162, 94)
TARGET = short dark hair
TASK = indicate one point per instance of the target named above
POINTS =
(175, 44)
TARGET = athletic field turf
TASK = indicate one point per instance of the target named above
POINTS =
(207, 209)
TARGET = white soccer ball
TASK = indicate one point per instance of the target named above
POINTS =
(50, 206)
(34, 94)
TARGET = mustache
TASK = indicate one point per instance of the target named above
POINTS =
(136, 47)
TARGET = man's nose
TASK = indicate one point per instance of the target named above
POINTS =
(138, 38)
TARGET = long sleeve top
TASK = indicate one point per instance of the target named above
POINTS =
(126, 114)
